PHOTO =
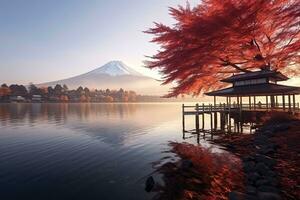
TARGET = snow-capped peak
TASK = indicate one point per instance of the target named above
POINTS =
(116, 68)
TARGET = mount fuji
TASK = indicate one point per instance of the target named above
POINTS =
(114, 75)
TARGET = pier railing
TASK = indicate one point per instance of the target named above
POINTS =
(207, 108)
(219, 116)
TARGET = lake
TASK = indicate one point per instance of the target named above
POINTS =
(83, 151)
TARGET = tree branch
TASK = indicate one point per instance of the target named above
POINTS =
(228, 63)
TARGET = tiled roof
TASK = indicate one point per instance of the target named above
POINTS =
(256, 90)
(257, 74)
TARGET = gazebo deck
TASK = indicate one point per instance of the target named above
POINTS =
(210, 108)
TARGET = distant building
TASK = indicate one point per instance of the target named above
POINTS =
(17, 99)
(36, 98)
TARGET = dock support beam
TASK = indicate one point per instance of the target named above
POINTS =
(283, 102)
(294, 103)
(197, 119)
(290, 106)
(183, 120)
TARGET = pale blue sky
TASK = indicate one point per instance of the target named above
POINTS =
(45, 40)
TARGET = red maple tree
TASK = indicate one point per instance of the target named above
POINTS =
(217, 38)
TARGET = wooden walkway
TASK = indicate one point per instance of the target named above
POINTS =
(220, 116)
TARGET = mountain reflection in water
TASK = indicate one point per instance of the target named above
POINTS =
(83, 151)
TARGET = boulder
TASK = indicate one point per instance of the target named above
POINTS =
(268, 196)
(240, 196)
(280, 128)
(249, 166)
(270, 189)
(149, 185)
(261, 168)
(250, 190)
(252, 177)
(261, 182)
(186, 164)
(265, 159)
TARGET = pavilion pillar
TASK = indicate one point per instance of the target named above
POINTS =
(276, 101)
(250, 102)
(283, 102)
(272, 98)
(254, 102)
(241, 102)
(294, 102)
(267, 102)
(215, 101)
(290, 106)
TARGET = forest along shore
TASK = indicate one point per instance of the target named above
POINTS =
(270, 159)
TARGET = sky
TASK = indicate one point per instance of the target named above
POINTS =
(48, 40)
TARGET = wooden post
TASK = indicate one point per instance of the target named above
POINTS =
(241, 102)
(203, 109)
(197, 119)
(267, 102)
(211, 119)
(183, 119)
(294, 102)
(283, 102)
(229, 104)
(290, 107)
(229, 124)
(276, 101)
(254, 102)
(215, 101)
(215, 120)
(250, 102)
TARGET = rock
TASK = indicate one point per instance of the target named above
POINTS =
(240, 196)
(264, 188)
(230, 146)
(251, 190)
(267, 150)
(248, 158)
(252, 177)
(270, 174)
(261, 182)
(281, 127)
(261, 168)
(268, 196)
(265, 159)
(149, 185)
(273, 181)
(249, 166)
(186, 164)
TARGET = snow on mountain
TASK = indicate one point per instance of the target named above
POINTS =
(114, 75)
(116, 68)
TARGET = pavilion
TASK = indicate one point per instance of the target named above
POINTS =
(259, 84)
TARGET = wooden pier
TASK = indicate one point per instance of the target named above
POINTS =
(227, 118)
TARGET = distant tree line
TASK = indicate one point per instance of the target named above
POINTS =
(61, 93)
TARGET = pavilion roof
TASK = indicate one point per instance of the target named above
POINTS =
(256, 90)
(278, 76)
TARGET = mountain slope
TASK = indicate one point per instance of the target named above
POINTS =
(114, 75)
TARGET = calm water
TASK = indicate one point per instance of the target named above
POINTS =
(83, 151)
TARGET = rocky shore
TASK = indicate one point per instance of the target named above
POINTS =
(270, 158)
(259, 166)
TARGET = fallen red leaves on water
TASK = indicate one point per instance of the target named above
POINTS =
(212, 176)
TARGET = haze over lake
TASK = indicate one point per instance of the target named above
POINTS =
(83, 151)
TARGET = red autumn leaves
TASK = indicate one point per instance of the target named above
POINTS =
(217, 38)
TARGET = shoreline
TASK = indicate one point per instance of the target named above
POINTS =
(258, 166)
(270, 159)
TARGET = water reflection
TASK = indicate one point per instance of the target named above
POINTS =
(82, 151)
